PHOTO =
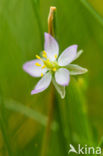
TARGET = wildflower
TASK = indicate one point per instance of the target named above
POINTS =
(50, 67)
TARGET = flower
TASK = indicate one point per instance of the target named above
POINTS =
(50, 67)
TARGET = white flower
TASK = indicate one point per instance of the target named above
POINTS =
(53, 68)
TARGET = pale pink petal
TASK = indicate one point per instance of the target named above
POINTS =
(43, 83)
(78, 54)
(62, 77)
(34, 70)
(68, 55)
(51, 47)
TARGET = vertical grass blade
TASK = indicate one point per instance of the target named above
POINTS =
(35, 5)
(3, 128)
(92, 11)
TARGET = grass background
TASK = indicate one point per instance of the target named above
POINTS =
(23, 118)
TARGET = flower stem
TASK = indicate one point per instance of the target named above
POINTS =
(51, 104)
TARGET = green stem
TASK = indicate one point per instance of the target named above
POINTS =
(62, 140)
(48, 128)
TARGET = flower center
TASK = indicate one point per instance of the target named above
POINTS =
(51, 65)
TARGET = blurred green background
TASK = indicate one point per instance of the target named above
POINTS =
(23, 118)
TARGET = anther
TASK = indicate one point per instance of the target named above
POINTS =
(43, 67)
(38, 57)
(44, 56)
(55, 56)
(41, 74)
(37, 64)
(44, 52)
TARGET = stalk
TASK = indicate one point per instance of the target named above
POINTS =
(51, 104)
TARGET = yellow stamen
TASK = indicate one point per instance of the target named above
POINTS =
(43, 66)
(44, 56)
(41, 74)
(55, 56)
(37, 64)
(44, 52)
(54, 69)
(48, 61)
(38, 57)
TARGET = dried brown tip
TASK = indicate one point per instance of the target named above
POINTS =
(52, 8)
(50, 20)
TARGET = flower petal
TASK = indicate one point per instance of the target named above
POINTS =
(76, 70)
(68, 55)
(78, 54)
(43, 83)
(51, 47)
(34, 70)
(60, 89)
(62, 77)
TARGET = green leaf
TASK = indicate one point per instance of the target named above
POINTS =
(18, 107)
(3, 128)
(76, 108)
(92, 11)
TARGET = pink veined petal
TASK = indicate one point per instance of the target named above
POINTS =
(43, 83)
(78, 54)
(62, 77)
(34, 70)
(68, 55)
(51, 47)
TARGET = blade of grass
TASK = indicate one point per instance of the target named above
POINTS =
(3, 128)
(76, 102)
(5, 136)
(18, 107)
(92, 11)
(37, 14)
